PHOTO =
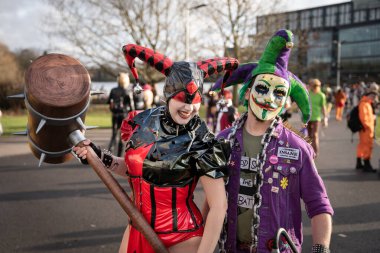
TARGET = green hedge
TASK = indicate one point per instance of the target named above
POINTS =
(97, 115)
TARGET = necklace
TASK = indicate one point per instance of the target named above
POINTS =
(231, 137)
(258, 179)
(260, 161)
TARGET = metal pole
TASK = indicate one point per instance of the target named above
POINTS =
(187, 34)
(339, 45)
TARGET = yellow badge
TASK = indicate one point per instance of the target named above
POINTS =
(284, 183)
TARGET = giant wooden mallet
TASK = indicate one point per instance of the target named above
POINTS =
(57, 96)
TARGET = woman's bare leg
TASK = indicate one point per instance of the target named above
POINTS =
(191, 246)
(124, 242)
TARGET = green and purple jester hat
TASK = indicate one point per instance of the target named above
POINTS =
(269, 81)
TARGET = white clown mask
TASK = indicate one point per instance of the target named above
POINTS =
(268, 96)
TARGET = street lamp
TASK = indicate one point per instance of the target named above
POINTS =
(187, 48)
(338, 56)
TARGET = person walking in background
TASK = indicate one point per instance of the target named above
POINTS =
(120, 104)
(148, 96)
(211, 110)
(156, 98)
(340, 101)
(227, 113)
(318, 109)
(329, 99)
(138, 100)
(367, 119)
(287, 111)
(354, 96)
(346, 90)
(361, 90)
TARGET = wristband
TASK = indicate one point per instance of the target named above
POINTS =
(107, 158)
(319, 248)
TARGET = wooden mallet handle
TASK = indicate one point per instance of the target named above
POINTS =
(120, 195)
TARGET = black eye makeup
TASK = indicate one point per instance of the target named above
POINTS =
(279, 93)
(261, 89)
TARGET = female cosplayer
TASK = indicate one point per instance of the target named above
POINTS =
(168, 149)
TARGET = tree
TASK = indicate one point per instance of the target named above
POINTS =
(25, 57)
(99, 29)
(10, 77)
(235, 21)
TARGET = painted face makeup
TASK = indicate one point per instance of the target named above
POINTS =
(182, 112)
(268, 96)
(191, 95)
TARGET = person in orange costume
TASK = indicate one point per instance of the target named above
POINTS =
(340, 100)
(367, 118)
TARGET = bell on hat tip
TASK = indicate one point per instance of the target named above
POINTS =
(289, 44)
(137, 89)
(212, 93)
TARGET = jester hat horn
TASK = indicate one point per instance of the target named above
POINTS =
(274, 60)
(184, 80)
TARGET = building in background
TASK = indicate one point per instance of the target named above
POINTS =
(319, 32)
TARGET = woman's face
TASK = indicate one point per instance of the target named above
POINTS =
(268, 95)
(181, 112)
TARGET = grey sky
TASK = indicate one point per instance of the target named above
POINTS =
(21, 23)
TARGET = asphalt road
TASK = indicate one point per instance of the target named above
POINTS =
(66, 208)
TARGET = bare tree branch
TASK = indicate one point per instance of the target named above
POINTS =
(98, 29)
(235, 21)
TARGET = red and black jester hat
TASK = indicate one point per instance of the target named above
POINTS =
(184, 80)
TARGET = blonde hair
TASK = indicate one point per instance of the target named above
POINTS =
(123, 80)
(315, 82)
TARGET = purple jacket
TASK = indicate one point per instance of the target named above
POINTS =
(289, 176)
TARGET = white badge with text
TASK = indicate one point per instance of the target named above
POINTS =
(288, 153)
(275, 189)
(245, 201)
(244, 163)
(253, 165)
(247, 163)
(246, 182)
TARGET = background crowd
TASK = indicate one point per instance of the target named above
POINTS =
(221, 113)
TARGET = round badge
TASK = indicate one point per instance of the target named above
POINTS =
(273, 159)
(293, 170)
(270, 180)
